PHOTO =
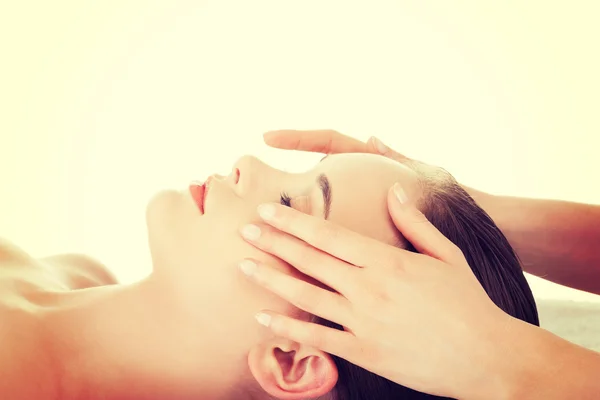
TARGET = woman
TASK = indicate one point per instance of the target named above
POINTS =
(187, 331)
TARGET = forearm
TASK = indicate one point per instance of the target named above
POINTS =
(532, 364)
(556, 240)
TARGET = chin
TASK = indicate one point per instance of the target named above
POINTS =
(169, 219)
(159, 205)
(161, 212)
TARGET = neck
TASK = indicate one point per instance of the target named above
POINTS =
(120, 342)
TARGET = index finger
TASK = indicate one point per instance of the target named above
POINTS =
(324, 141)
(342, 243)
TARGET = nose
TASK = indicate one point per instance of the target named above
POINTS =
(246, 172)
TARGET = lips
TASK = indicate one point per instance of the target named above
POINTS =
(198, 192)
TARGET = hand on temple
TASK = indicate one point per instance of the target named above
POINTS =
(421, 320)
(327, 141)
(555, 240)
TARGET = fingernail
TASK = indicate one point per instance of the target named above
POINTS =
(266, 211)
(248, 267)
(263, 319)
(251, 232)
(381, 148)
(400, 193)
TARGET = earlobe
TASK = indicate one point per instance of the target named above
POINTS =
(291, 371)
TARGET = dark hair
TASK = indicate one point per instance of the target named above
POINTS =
(455, 214)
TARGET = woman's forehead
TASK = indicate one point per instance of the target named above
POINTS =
(359, 189)
(367, 169)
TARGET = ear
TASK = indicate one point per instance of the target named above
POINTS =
(291, 371)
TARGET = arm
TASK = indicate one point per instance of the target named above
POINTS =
(532, 363)
(555, 240)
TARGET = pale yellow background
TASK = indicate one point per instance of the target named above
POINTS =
(104, 102)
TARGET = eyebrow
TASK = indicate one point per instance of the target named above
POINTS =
(325, 187)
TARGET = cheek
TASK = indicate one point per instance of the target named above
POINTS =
(201, 267)
(226, 302)
(196, 257)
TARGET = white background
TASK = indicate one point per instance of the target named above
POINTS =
(104, 103)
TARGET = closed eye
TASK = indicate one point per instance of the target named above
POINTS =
(285, 199)
(325, 187)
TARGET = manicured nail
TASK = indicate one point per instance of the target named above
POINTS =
(251, 232)
(381, 148)
(400, 193)
(248, 267)
(266, 211)
(263, 319)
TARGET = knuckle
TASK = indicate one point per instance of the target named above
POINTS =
(388, 259)
(395, 261)
(370, 354)
(376, 295)
(326, 234)
(302, 332)
(265, 276)
(268, 239)
(304, 298)
(417, 217)
(281, 326)
(398, 157)
(303, 256)
(298, 143)
(381, 298)
(326, 145)
(277, 240)
(366, 353)
(284, 216)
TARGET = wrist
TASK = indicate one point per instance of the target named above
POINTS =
(500, 376)
(508, 361)
(529, 363)
(522, 367)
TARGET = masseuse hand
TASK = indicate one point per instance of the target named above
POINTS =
(419, 319)
(329, 142)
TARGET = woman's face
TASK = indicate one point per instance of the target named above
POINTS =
(195, 255)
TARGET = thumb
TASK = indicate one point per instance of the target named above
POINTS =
(417, 229)
(376, 146)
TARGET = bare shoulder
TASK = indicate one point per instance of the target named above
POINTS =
(81, 270)
(18, 270)
(11, 253)
(61, 271)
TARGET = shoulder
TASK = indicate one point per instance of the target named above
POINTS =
(11, 253)
(18, 270)
(81, 270)
(71, 270)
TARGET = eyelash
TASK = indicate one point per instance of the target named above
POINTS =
(285, 199)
